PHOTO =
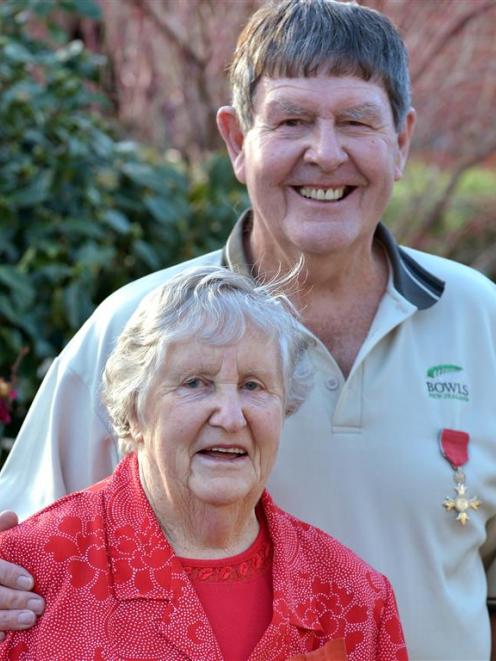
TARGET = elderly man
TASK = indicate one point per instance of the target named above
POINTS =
(394, 450)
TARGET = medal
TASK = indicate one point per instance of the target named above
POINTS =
(454, 448)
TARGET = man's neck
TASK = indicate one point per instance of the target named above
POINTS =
(337, 294)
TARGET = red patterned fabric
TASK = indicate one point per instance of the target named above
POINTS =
(115, 590)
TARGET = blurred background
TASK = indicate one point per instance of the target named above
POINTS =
(111, 166)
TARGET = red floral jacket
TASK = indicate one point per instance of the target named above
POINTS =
(115, 590)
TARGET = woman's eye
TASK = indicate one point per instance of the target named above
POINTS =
(251, 385)
(193, 382)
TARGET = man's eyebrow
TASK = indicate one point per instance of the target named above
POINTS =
(287, 107)
(363, 111)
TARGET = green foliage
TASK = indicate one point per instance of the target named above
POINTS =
(81, 212)
(448, 213)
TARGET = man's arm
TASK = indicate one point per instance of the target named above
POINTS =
(493, 635)
(18, 607)
(64, 444)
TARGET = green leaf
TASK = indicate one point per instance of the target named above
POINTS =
(57, 34)
(160, 208)
(10, 338)
(102, 144)
(87, 8)
(16, 52)
(117, 221)
(144, 175)
(54, 272)
(77, 303)
(76, 228)
(37, 191)
(19, 284)
(42, 7)
(77, 147)
(93, 256)
(22, 92)
(147, 253)
(8, 311)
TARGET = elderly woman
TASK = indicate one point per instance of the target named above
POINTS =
(181, 554)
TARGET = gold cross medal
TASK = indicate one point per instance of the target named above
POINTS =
(454, 448)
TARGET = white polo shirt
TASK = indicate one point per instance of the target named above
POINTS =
(360, 459)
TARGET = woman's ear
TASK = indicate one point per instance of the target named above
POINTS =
(135, 429)
(233, 136)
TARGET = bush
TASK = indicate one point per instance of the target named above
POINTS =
(429, 212)
(82, 212)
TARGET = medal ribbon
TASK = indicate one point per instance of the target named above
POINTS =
(454, 447)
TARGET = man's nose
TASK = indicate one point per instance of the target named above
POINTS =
(325, 147)
(228, 410)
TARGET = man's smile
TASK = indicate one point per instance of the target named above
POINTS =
(324, 194)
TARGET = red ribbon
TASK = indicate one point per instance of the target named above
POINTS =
(454, 446)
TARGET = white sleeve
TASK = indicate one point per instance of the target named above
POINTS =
(63, 445)
(65, 442)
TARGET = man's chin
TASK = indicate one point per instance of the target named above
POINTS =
(325, 238)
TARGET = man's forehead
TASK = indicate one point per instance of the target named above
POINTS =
(300, 95)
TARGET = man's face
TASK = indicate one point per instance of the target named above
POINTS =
(319, 162)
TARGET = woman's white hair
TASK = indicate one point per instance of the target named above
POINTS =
(210, 304)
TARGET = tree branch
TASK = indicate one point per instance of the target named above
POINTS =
(452, 31)
(172, 31)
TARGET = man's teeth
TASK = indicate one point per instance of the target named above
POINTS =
(322, 194)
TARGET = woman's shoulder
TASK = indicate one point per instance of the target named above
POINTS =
(321, 555)
(57, 533)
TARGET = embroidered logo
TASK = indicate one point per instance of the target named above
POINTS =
(445, 382)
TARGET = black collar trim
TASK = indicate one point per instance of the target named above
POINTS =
(411, 280)
(420, 287)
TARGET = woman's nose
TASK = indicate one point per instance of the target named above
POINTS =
(325, 147)
(228, 411)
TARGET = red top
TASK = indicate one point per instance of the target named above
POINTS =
(115, 590)
(236, 594)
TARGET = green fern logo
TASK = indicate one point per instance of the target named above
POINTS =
(439, 370)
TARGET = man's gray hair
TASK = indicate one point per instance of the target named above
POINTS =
(301, 38)
(210, 304)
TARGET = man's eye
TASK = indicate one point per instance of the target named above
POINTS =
(292, 122)
(356, 123)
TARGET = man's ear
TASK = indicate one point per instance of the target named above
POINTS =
(230, 130)
(404, 140)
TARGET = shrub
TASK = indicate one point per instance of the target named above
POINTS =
(456, 221)
(82, 212)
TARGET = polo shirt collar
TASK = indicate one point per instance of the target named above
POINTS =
(417, 285)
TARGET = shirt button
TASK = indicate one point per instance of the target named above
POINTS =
(332, 383)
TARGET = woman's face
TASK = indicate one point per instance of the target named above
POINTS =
(211, 423)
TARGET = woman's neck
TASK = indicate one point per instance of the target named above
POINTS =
(212, 534)
(199, 530)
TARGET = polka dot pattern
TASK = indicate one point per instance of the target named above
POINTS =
(115, 590)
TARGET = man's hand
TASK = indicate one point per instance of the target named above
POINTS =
(18, 606)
